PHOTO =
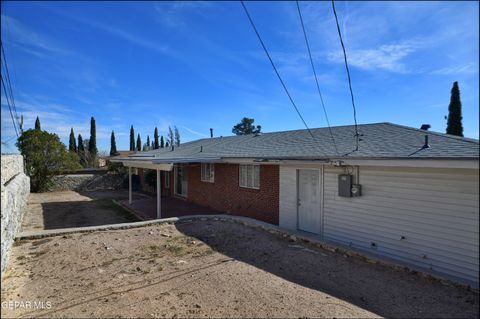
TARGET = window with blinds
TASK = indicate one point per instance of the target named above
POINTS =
(250, 176)
(208, 172)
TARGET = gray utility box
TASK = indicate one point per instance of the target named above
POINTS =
(345, 185)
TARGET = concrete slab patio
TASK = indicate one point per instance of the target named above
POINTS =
(146, 208)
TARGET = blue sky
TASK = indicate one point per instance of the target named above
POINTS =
(198, 65)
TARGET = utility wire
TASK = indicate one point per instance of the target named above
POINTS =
(348, 74)
(276, 71)
(9, 106)
(316, 79)
(10, 85)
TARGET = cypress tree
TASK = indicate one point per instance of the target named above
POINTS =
(162, 143)
(92, 143)
(139, 143)
(148, 141)
(37, 124)
(166, 144)
(113, 145)
(132, 139)
(81, 150)
(72, 143)
(80, 143)
(454, 122)
(155, 139)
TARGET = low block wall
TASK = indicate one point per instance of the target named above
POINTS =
(15, 190)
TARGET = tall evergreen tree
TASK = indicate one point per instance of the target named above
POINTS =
(132, 139)
(139, 143)
(80, 143)
(166, 144)
(37, 124)
(81, 150)
(92, 144)
(177, 136)
(72, 143)
(155, 139)
(113, 145)
(162, 142)
(454, 122)
(170, 136)
(148, 141)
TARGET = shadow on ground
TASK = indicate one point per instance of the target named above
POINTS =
(84, 213)
(373, 287)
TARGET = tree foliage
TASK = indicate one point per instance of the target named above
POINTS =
(177, 136)
(37, 124)
(45, 155)
(170, 136)
(162, 142)
(132, 139)
(113, 145)
(139, 143)
(454, 122)
(246, 126)
(92, 145)
(155, 139)
(72, 143)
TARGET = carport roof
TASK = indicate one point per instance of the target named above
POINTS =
(377, 141)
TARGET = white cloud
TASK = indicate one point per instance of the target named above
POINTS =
(469, 68)
(194, 132)
(388, 57)
(29, 40)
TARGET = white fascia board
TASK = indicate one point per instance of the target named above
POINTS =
(146, 164)
(425, 163)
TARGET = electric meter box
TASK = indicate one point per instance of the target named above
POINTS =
(345, 185)
(356, 190)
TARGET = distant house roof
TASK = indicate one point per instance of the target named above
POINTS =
(377, 141)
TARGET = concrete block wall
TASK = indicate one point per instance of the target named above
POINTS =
(15, 191)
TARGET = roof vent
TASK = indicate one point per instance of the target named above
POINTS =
(425, 127)
(201, 148)
(173, 147)
(426, 145)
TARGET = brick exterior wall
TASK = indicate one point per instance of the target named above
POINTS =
(225, 194)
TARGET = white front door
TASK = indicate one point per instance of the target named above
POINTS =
(308, 201)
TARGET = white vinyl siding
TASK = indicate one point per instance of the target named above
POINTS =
(424, 218)
(208, 172)
(250, 176)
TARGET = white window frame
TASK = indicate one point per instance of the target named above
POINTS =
(207, 172)
(167, 179)
(249, 176)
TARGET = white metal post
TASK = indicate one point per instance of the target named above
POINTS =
(129, 185)
(159, 197)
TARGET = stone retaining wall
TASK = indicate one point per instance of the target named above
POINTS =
(15, 190)
(87, 182)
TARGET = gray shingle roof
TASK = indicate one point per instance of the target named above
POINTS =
(379, 140)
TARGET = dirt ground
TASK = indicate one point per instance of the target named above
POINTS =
(67, 209)
(213, 269)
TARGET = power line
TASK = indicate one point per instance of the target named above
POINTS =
(10, 85)
(348, 74)
(316, 79)
(9, 106)
(276, 71)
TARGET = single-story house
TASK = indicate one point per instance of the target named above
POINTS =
(407, 195)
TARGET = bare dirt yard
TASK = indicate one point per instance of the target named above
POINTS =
(67, 209)
(214, 269)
